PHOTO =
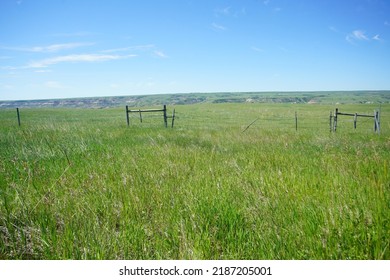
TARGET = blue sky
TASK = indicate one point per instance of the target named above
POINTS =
(81, 48)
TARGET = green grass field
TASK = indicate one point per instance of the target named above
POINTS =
(80, 184)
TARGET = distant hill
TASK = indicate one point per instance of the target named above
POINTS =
(324, 97)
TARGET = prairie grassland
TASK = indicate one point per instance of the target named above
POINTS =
(80, 184)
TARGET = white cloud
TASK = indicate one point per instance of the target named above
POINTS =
(160, 54)
(76, 58)
(50, 48)
(377, 38)
(59, 47)
(356, 35)
(132, 48)
(223, 11)
(218, 26)
(229, 12)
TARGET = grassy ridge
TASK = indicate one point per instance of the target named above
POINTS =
(319, 97)
(79, 184)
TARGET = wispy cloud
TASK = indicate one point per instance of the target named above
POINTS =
(357, 35)
(386, 23)
(49, 48)
(131, 48)
(229, 12)
(76, 58)
(218, 27)
(272, 6)
(149, 48)
(160, 54)
(223, 11)
(360, 35)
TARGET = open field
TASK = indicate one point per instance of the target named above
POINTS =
(80, 184)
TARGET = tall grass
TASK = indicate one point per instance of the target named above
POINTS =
(80, 184)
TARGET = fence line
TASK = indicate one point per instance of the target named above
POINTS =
(139, 111)
(334, 119)
(269, 119)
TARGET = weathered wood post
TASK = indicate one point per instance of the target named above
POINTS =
(127, 115)
(296, 121)
(165, 116)
(140, 116)
(335, 120)
(173, 117)
(17, 112)
(330, 121)
(376, 121)
(355, 120)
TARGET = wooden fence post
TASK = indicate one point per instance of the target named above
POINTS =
(330, 121)
(165, 116)
(140, 116)
(173, 117)
(17, 112)
(335, 120)
(376, 121)
(127, 115)
(296, 121)
(355, 120)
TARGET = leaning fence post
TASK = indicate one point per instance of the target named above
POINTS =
(17, 112)
(376, 121)
(127, 115)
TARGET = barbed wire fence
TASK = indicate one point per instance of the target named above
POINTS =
(299, 120)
